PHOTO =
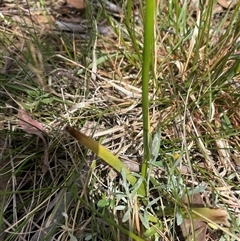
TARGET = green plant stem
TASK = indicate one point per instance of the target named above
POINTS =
(147, 54)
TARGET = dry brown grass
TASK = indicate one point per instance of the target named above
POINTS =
(94, 84)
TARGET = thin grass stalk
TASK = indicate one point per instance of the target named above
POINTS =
(147, 59)
(130, 25)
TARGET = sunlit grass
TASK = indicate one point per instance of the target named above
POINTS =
(161, 95)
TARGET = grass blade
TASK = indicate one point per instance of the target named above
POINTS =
(104, 154)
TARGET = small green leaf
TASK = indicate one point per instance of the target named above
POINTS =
(90, 237)
(103, 203)
(152, 231)
(226, 122)
(144, 219)
(47, 100)
(72, 237)
(126, 215)
(120, 207)
(155, 146)
(179, 217)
